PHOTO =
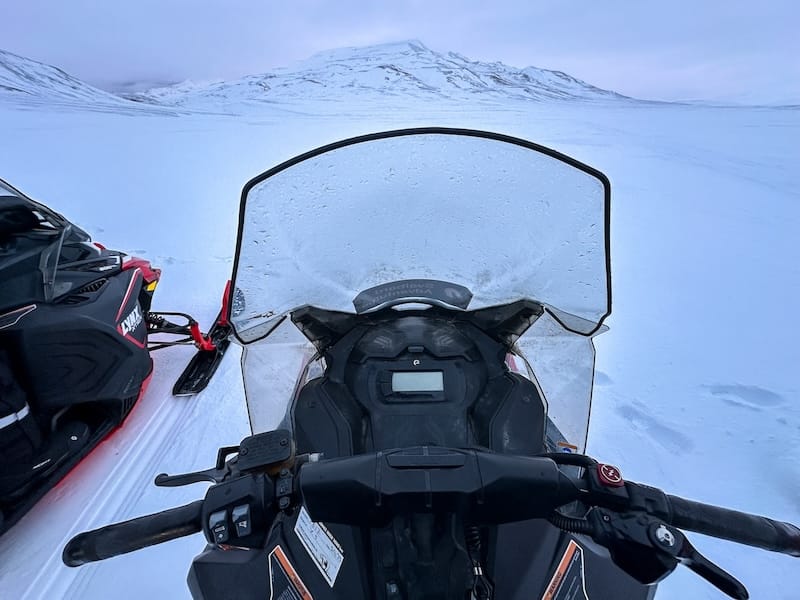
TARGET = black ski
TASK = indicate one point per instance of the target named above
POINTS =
(204, 363)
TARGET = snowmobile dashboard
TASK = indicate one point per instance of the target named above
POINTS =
(505, 323)
(417, 382)
(383, 366)
(262, 479)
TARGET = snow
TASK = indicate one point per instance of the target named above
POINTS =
(696, 391)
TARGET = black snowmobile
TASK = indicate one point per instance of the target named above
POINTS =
(438, 290)
(74, 358)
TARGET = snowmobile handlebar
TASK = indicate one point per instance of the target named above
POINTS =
(735, 526)
(482, 487)
(121, 538)
(489, 489)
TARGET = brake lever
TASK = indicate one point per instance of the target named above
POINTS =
(270, 452)
(648, 550)
(209, 475)
(220, 472)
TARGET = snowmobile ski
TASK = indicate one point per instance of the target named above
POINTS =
(204, 363)
(210, 346)
(210, 350)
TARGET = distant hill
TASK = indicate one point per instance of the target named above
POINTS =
(404, 69)
(26, 80)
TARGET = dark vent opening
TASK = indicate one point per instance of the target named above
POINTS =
(92, 287)
(78, 297)
(74, 299)
(127, 404)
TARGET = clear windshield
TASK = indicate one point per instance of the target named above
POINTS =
(6, 190)
(504, 218)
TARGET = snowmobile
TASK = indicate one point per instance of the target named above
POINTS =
(74, 353)
(438, 292)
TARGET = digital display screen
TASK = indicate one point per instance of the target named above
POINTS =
(417, 381)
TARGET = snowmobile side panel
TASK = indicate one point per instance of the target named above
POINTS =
(92, 350)
(235, 573)
(532, 559)
(255, 575)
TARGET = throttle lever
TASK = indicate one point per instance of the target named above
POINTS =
(672, 541)
(648, 550)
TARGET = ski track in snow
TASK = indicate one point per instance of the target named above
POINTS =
(134, 460)
(694, 390)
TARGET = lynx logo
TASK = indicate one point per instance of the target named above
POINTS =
(132, 321)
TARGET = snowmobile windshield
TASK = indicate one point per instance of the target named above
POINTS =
(6, 190)
(504, 218)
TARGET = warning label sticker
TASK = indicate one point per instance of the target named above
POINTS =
(568, 581)
(567, 447)
(285, 583)
(320, 544)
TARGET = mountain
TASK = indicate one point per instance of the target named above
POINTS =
(396, 70)
(26, 80)
(385, 73)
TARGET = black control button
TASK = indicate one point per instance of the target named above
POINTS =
(283, 487)
(218, 524)
(241, 520)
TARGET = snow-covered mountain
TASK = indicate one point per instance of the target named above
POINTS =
(405, 69)
(26, 80)
(26, 83)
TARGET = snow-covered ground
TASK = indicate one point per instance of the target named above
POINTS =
(696, 391)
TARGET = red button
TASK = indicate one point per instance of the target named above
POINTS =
(610, 475)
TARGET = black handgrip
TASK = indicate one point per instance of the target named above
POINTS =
(735, 526)
(135, 534)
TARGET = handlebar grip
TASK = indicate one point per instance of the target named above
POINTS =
(121, 538)
(735, 526)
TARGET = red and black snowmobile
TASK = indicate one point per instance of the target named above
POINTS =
(74, 357)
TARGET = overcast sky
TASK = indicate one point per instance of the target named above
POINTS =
(673, 49)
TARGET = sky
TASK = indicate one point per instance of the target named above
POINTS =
(677, 50)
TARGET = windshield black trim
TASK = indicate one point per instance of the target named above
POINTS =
(429, 131)
(55, 218)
